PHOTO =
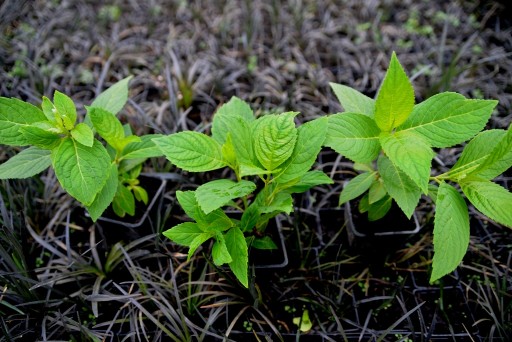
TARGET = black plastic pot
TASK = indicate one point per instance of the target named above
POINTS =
(271, 258)
(155, 184)
(394, 223)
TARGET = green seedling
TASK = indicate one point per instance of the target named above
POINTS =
(391, 140)
(271, 159)
(93, 173)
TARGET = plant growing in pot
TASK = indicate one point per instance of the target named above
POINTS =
(93, 173)
(391, 140)
(270, 158)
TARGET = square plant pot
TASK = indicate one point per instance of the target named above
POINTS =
(394, 223)
(154, 184)
(271, 258)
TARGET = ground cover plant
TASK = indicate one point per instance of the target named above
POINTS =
(269, 147)
(94, 174)
(391, 140)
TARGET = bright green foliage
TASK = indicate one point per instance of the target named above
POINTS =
(66, 109)
(399, 136)
(491, 199)
(270, 148)
(15, 114)
(451, 231)
(304, 322)
(41, 134)
(81, 162)
(234, 119)
(354, 135)
(184, 233)
(448, 119)
(217, 193)
(237, 249)
(395, 99)
(191, 151)
(353, 101)
(114, 98)
(475, 153)
(25, 164)
(398, 185)
(499, 159)
(220, 251)
(274, 140)
(83, 134)
(410, 153)
(80, 169)
(106, 194)
(357, 186)
(310, 137)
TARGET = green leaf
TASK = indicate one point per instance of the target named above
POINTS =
(395, 99)
(250, 217)
(251, 170)
(310, 138)
(229, 154)
(184, 233)
(82, 171)
(216, 220)
(15, 114)
(448, 119)
(143, 149)
(355, 136)
(377, 191)
(124, 199)
(489, 198)
(411, 153)
(25, 164)
(499, 159)
(114, 98)
(234, 118)
(220, 251)
(304, 323)
(364, 204)
(399, 186)
(198, 241)
(188, 202)
(48, 109)
(353, 101)
(106, 195)
(237, 248)
(108, 126)
(191, 151)
(40, 136)
(357, 186)
(264, 242)
(274, 139)
(140, 194)
(475, 153)
(217, 193)
(379, 209)
(282, 202)
(307, 181)
(65, 108)
(83, 134)
(451, 231)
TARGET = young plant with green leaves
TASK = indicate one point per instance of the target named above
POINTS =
(391, 140)
(94, 174)
(271, 159)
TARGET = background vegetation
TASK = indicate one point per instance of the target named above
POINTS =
(62, 277)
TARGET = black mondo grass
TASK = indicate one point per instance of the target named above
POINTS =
(64, 278)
